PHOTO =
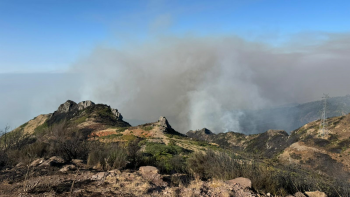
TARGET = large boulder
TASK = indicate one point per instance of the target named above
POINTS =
(150, 173)
(316, 194)
(148, 170)
(243, 182)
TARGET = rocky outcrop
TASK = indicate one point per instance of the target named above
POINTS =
(67, 107)
(165, 127)
(84, 104)
(117, 114)
(72, 107)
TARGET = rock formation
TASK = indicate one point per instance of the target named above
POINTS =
(67, 107)
(117, 114)
(84, 104)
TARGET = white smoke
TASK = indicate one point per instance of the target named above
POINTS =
(209, 81)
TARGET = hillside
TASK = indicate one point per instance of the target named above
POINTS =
(291, 117)
(86, 139)
(306, 147)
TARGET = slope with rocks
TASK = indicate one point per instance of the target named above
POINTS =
(309, 147)
(268, 143)
(108, 142)
(291, 117)
(325, 151)
(85, 117)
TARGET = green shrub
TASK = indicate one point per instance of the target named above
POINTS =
(121, 129)
(128, 137)
(167, 157)
(157, 149)
(41, 129)
(80, 120)
(112, 136)
(147, 128)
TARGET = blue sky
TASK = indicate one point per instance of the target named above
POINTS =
(50, 35)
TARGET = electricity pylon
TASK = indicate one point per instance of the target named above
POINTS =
(324, 115)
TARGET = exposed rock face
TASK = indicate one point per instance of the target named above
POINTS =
(67, 106)
(84, 104)
(117, 114)
(71, 106)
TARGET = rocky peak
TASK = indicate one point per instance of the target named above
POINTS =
(163, 122)
(203, 131)
(206, 131)
(84, 104)
(203, 134)
(70, 106)
(165, 127)
(67, 106)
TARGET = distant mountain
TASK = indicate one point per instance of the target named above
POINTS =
(289, 118)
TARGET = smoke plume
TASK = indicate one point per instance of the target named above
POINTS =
(209, 82)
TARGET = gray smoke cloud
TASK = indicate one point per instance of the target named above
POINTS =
(209, 81)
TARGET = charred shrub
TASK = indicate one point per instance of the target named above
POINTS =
(108, 156)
